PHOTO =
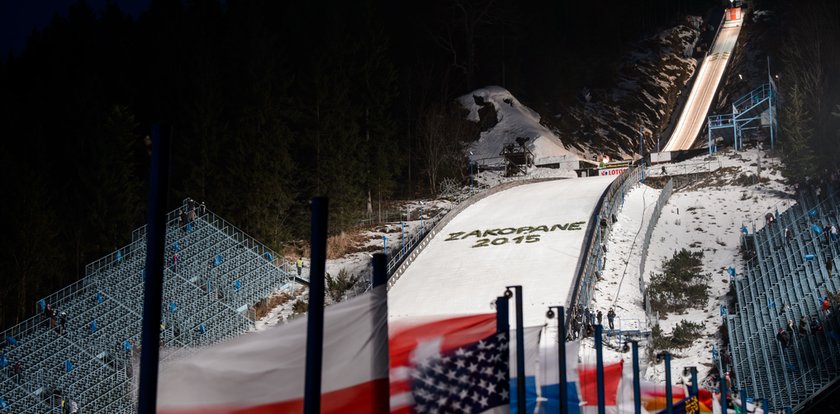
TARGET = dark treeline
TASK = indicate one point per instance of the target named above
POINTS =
(269, 103)
(810, 88)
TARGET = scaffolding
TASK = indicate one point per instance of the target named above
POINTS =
(752, 111)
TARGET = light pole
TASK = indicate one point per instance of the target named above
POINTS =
(520, 348)
(561, 353)
(637, 387)
(470, 166)
(422, 226)
(669, 403)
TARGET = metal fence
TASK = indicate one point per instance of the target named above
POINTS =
(590, 262)
(685, 168)
(652, 316)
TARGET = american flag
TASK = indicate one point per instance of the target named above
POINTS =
(469, 379)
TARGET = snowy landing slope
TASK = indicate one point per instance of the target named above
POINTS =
(514, 120)
(529, 235)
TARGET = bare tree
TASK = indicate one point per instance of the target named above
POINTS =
(443, 136)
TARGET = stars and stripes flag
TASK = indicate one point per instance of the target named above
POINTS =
(449, 365)
(470, 379)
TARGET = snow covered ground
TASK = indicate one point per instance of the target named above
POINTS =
(513, 120)
(529, 235)
(705, 214)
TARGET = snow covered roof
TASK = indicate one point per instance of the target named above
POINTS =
(513, 120)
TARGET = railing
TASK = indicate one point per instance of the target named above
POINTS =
(717, 33)
(685, 168)
(746, 102)
(590, 259)
(654, 218)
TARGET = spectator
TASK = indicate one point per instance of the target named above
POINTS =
(769, 218)
(790, 330)
(587, 316)
(826, 305)
(575, 326)
(782, 310)
(611, 318)
(782, 337)
(600, 316)
(816, 326)
(299, 265)
(18, 371)
(63, 320)
(803, 326)
(833, 233)
(74, 408)
(788, 236)
(48, 314)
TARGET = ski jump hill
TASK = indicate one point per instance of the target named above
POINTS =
(705, 85)
(530, 235)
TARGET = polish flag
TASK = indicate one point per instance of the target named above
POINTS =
(414, 340)
(264, 372)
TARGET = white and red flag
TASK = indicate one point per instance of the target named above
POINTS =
(264, 372)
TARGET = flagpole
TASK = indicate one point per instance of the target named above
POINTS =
(521, 407)
(380, 269)
(152, 291)
(722, 382)
(599, 361)
(315, 310)
(502, 324)
(695, 389)
(637, 386)
(669, 398)
(382, 390)
(561, 354)
(744, 399)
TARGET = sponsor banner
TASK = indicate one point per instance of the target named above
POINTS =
(612, 171)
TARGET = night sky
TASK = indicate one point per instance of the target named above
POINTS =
(18, 18)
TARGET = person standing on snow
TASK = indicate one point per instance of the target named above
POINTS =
(611, 318)
(599, 316)
(299, 266)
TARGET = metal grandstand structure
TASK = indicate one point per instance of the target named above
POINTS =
(213, 277)
(796, 273)
(752, 111)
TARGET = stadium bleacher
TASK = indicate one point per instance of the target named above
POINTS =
(214, 275)
(785, 280)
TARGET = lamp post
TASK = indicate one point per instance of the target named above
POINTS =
(669, 403)
(637, 387)
(561, 353)
(599, 371)
(470, 166)
(520, 348)
(422, 226)
(402, 237)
